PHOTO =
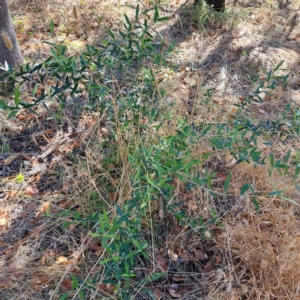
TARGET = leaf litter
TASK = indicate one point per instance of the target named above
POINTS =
(255, 255)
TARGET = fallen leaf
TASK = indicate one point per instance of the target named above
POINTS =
(21, 117)
(192, 205)
(39, 278)
(40, 215)
(10, 194)
(263, 112)
(4, 217)
(199, 255)
(218, 259)
(174, 291)
(36, 231)
(67, 284)
(32, 221)
(32, 190)
(31, 206)
(53, 211)
(9, 251)
(66, 204)
(178, 279)
(2, 243)
(173, 256)
(157, 294)
(106, 287)
(185, 256)
(98, 249)
(183, 289)
(24, 214)
(221, 175)
(162, 264)
(10, 159)
(61, 259)
(45, 207)
(177, 183)
(111, 166)
(45, 258)
(76, 144)
(5, 282)
(113, 197)
(209, 269)
(207, 234)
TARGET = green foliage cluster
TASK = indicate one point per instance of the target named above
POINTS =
(155, 162)
(204, 16)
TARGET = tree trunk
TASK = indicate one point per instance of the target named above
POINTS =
(9, 47)
(218, 5)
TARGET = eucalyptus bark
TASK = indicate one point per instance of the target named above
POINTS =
(218, 5)
(9, 47)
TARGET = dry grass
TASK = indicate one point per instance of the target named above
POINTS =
(253, 256)
(265, 250)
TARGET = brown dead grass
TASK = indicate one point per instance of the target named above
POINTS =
(255, 255)
(266, 245)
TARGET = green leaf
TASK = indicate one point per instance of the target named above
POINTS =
(274, 193)
(290, 200)
(119, 211)
(188, 166)
(156, 14)
(206, 130)
(64, 296)
(160, 170)
(163, 19)
(17, 97)
(251, 188)
(32, 111)
(244, 189)
(137, 11)
(227, 180)
(111, 34)
(106, 219)
(74, 282)
(81, 295)
(4, 106)
(255, 203)
(151, 181)
(20, 178)
(130, 254)
(93, 234)
(110, 235)
(297, 187)
(12, 114)
(93, 67)
(113, 258)
(142, 245)
(213, 194)
(269, 76)
(51, 26)
(127, 20)
(146, 256)
(34, 90)
(135, 243)
(152, 278)
(271, 157)
(104, 42)
(297, 170)
(287, 156)
(278, 66)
